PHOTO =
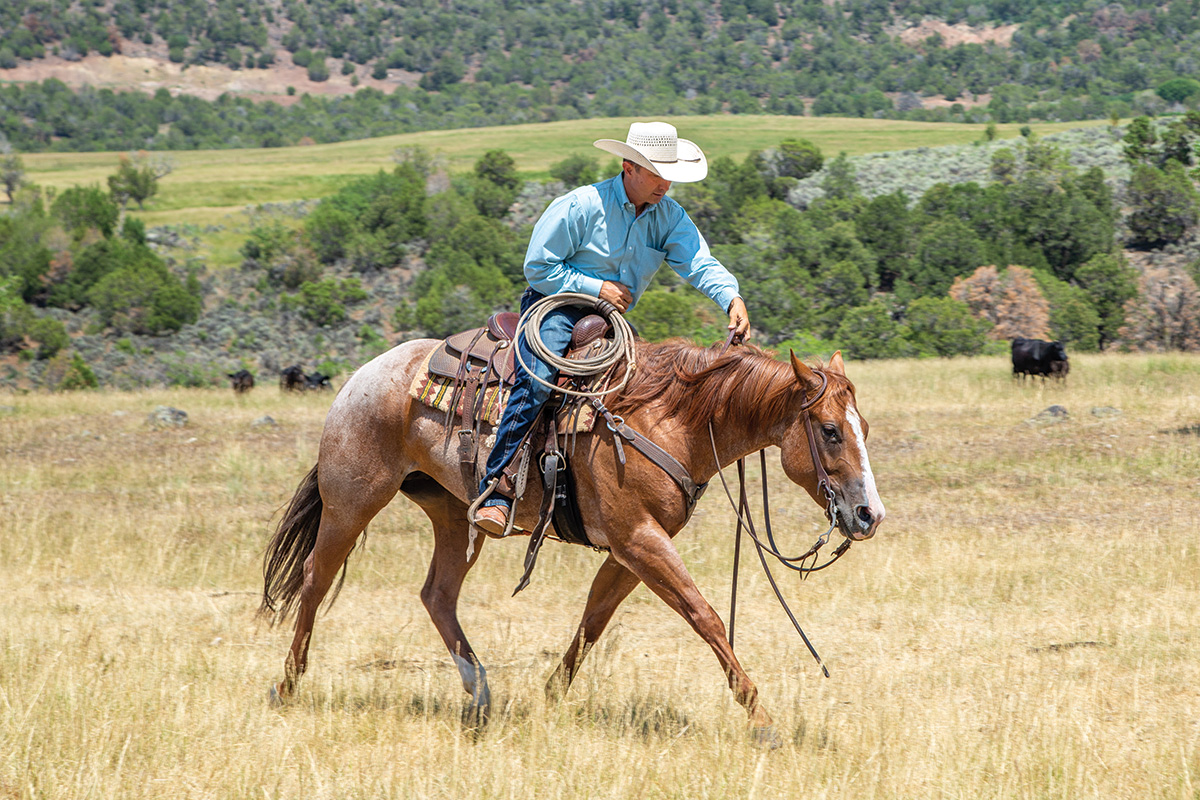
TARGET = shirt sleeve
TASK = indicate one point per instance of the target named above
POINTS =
(556, 237)
(689, 256)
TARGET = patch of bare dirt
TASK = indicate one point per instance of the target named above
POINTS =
(959, 33)
(149, 73)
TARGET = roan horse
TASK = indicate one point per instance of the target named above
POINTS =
(378, 441)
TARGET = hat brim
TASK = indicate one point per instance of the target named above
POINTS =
(691, 166)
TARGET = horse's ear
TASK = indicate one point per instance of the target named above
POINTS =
(836, 364)
(804, 373)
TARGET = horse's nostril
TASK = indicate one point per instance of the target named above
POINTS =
(864, 514)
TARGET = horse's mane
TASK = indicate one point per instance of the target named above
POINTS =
(695, 384)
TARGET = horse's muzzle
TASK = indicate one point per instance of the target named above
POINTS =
(861, 524)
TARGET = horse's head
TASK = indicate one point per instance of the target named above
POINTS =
(839, 437)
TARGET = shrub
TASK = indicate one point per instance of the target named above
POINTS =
(1010, 300)
(1164, 205)
(1178, 90)
(1073, 319)
(575, 170)
(869, 331)
(15, 316)
(143, 296)
(82, 208)
(661, 314)
(67, 373)
(945, 327)
(798, 158)
(51, 336)
(267, 241)
(324, 302)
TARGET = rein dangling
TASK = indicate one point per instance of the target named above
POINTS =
(745, 520)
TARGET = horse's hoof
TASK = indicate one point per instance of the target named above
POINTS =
(275, 698)
(766, 737)
(475, 717)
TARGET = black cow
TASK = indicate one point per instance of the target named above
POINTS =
(1035, 357)
(242, 381)
(316, 382)
(292, 379)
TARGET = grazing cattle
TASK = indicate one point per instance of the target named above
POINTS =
(292, 379)
(317, 381)
(1037, 357)
(242, 381)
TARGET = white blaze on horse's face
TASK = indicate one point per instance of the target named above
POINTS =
(875, 512)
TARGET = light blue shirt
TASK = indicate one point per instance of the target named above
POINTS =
(591, 235)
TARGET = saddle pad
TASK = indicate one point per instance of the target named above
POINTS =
(435, 391)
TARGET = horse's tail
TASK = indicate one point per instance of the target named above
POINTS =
(294, 539)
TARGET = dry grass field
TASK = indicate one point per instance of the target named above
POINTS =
(1025, 625)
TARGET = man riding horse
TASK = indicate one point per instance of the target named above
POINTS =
(607, 240)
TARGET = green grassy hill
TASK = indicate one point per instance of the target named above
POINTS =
(209, 188)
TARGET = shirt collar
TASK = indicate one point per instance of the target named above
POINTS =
(619, 187)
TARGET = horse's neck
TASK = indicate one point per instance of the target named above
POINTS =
(733, 440)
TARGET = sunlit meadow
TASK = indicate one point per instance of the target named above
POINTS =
(1025, 624)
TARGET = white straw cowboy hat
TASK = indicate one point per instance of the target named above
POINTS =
(657, 147)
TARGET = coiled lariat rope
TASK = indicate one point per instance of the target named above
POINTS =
(621, 346)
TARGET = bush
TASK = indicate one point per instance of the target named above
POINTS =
(798, 158)
(1178, 90)
(575, 170)
(945, 327)
(16, 317)
(324, 302)
(267, 241)
(143, 296)
(661, 314)
(51, 336)
(82, 208)
(870, 332)
(68, 373)
(1073, 319)
(318, 71)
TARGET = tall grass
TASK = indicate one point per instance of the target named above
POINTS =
(1024, 625)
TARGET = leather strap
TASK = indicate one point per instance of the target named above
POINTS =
(692, 491)
(549, 480)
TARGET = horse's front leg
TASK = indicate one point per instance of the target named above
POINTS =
(612, 584)
(650, 555)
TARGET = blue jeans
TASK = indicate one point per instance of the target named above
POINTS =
(528, 396)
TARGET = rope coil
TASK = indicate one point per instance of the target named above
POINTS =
(621, 346)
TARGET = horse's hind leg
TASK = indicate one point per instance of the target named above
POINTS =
(335, 539)
(610, 587)
(447, 571)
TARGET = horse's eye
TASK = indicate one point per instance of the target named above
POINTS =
(830, 431)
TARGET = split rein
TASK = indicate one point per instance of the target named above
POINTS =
(745, 521)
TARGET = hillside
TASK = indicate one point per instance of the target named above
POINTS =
(358, 245)
(262, 73)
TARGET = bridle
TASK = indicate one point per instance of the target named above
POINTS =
(745, 520)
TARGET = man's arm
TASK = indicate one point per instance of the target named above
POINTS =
(556, 237)
(689, 256)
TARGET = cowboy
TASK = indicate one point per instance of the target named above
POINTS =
(607, 240)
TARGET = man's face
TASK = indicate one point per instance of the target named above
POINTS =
(643, 186)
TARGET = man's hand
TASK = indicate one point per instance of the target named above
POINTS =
(739, 320)
(619, 296)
